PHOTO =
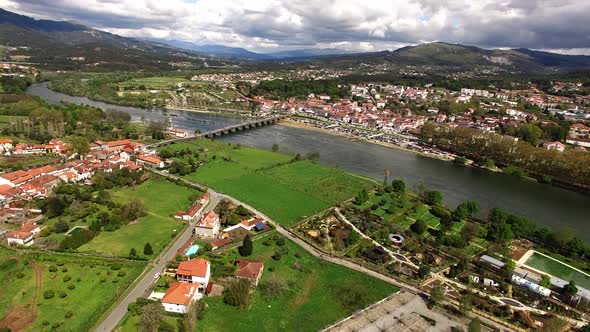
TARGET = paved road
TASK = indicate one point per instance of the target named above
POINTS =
(143, 287)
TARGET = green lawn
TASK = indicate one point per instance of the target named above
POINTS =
(317, 296)
(283, 190)
(161, 199)
(96, 285)
(558, 269)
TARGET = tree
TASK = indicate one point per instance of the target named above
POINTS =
(273, 287)
(510, 265)
(275, 147)
(60, 226)
(432, 197)
(437, 295)
(361, 197)
(545, 281)
(419, 227)
(570, 289)
(150, 318)
(469, 231)
(398, 186)
(197, 131)
(132, 252)
(147, 249)
(474, 325)
(424, 271)
(81, 146)
(238, 294)
(246, 248)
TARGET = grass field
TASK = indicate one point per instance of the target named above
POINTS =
(283, 190)
(156, 82)
(558, 269)
(316, 298)
(94, 286)
(161, 199)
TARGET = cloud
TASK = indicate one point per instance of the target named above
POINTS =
(353, 24)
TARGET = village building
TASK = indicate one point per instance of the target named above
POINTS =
(208, 226)
(180, 295)
(195, 271)
(554, 146)
(249, 270)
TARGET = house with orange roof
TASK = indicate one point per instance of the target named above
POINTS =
(194, 210)
(208, 226)
(20, 238)
(194, 271)
(249, 270)
(180, 296)
(150, 161)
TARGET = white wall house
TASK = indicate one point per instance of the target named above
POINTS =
(180, 295)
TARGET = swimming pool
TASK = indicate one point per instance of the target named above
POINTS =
(192, 250)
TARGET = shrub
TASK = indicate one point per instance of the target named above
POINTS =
(78, 279)
(62, 294)
(67, 278)
(273, 287)
(68, 314)
(71, 286)
(277, 256)
(65, 269)
(115, 281)
(281, 242)
(121, 273)
(116, 267)
(45, 323)
(20, 275)
(60, 264)
(238, 294)
(298, 255)
(52, 268)
(48, 294)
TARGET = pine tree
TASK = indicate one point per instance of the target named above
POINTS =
(147, 249)
(246, 248)
(132, 252)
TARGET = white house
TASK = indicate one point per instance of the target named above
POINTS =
(208, 226)
(195, 271)
(554, 146)
(180, 295)
(20, 238)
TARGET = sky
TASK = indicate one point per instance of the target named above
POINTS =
(357, 25)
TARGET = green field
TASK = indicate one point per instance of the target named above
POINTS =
(558, 269)
(284, 190)
(156, 82)
(316, 298)
(95, 284)
(5, 120)
(162, 199)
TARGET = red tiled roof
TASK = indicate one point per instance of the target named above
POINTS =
(209, 220)
(249, 269)
(220, 243)
(195, 267)
(180, 293)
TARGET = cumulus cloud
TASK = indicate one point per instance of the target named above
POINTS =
(361, 25)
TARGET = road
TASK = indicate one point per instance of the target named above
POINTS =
(143, 287)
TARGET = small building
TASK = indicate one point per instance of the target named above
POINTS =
(208, 226)
(554, 146)
(496, 263)
(195, 271)
(220, 243)
(250, 270)
(20, 238)
(152, 161)
(180, 295)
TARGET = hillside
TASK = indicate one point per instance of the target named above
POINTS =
(460, 57)
(67, 45)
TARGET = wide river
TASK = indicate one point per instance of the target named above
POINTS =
(547, 205)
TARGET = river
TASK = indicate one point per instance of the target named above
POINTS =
(547, 205)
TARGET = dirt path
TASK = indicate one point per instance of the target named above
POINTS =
(22, 316)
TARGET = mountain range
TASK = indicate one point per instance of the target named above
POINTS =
(55, 43)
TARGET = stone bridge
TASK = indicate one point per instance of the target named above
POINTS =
(223, 131)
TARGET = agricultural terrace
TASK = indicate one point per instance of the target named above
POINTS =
(6, 120)
(276, 184)
(156, 83)
(44, 292)
(315, 293)
(558, 269)
(161, 199)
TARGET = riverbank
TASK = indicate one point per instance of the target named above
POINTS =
(307, 126)
(194, 110)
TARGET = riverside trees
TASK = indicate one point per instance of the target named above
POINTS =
(568, 167)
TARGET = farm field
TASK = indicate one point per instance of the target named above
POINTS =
(161, 199)
(5, 120)
(45, 292)
(558, 269)
(320, 293)
(156, 82)
(283, 189)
